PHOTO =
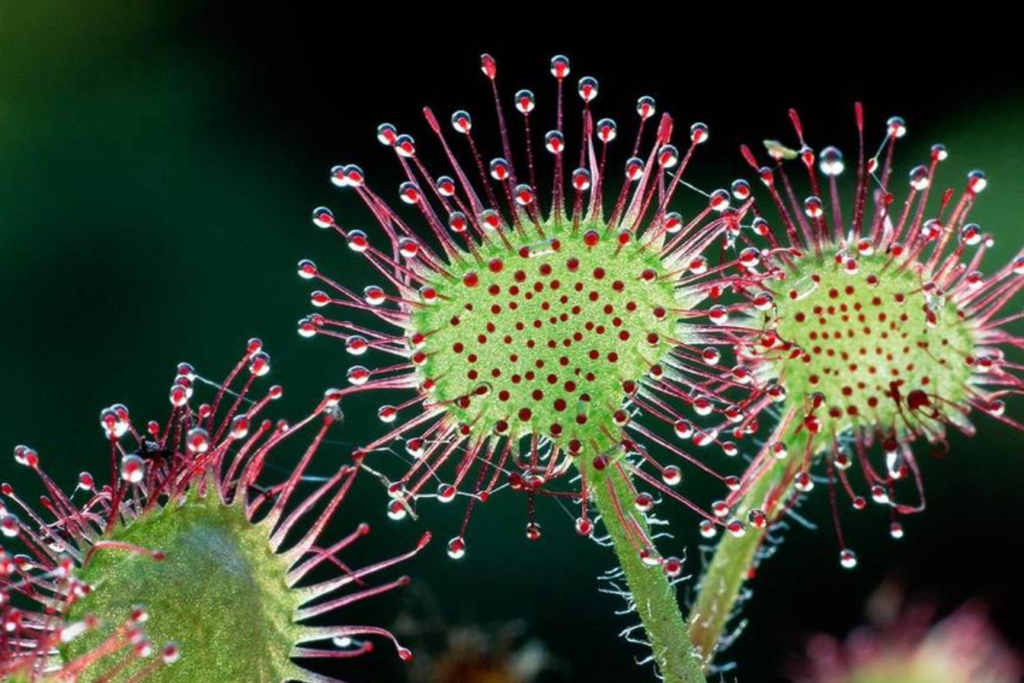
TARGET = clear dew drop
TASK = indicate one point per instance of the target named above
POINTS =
(354, 176)
(970, 234)
(646, 107)
(500, 169)
(719, 200)
(588, 88)
(634, 169)
(879, 495)
(10, 526)
(397, 510)
(673, 222)
(457, 548)
(524, 195)
(673, 567)
(373, 295)
(757, 519)
(345, 643)
(133, 469)
(644, 502)
(699, 133)
(197, 440)
(114, 422)
(446, 186)
(848, 558)
(813, 207)
(606, 130)
(705, 437)
(307, 328)
(718, 314)
(525, 101)
(554, 142)
(533, 531)
(650, 557)
(976, 181)
(581, 179)
(86, 482)
(736, 528)
(259, 364)
(446, 493)
(180, 395)
(356, 345)
(584, 527)
(239, 427)
(323, 217)
(387, 134)
(668, 156)
(338, 176)
(409, 192)
(307, 269)
(740, 190)
(919, 178)
(896, 126)
(170, 653)
(405, 145)
(26, 456)
(804, 483)
(358, 375)
(319, 298)
(560, 66)
(831, 162)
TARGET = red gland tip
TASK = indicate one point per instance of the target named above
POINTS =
(749, 156)
(665, 129)
(488, 66)
(424, 541)
(428, 114)
(797, 125)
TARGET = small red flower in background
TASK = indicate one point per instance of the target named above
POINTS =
(908, 645)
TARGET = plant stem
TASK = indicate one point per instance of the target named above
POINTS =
(723, 579)
(652, 593)
(735, 557)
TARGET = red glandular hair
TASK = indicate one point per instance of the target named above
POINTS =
(199, 480)
(881, 327)
(527, 340)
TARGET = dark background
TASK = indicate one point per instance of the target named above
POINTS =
(158, 163)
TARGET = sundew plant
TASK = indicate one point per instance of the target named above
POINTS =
(550, 311)
(596, 346)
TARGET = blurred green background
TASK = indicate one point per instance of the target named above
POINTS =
(158, 165)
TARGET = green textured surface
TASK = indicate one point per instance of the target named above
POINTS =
(611, 345)
(862, 348)
(220, 593)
